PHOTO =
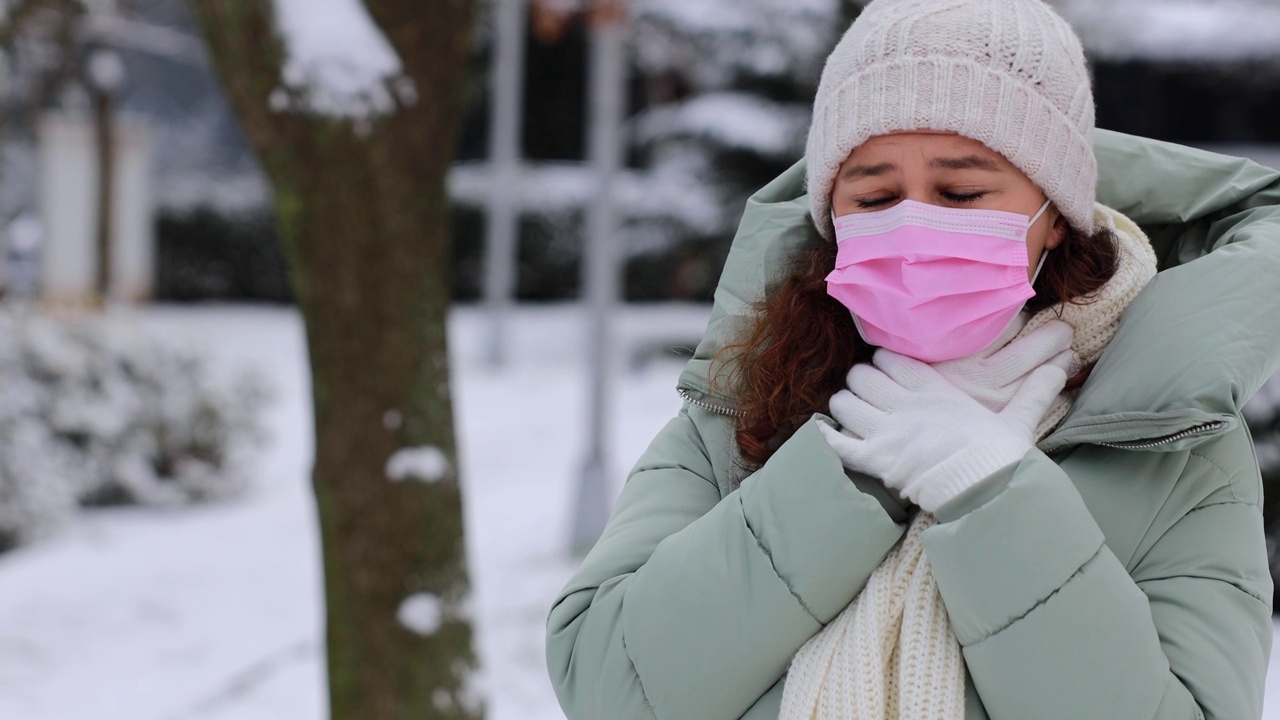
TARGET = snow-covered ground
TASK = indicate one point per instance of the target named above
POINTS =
(214, 612)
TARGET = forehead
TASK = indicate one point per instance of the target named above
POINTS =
(927, 144)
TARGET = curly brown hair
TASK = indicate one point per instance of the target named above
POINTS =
(796, 351)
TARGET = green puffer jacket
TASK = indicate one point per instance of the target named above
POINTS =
(1117, 571)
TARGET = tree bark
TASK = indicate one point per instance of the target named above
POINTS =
(363, 214)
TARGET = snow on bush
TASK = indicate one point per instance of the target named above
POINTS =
(716, 44)
(91, 413)
(1179, 30)
(733, 82)
(732, 120)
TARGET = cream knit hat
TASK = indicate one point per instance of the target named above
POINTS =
(1008, 73)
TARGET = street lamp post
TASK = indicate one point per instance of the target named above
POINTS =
(105, 74)
(506, 98)
(607, 111)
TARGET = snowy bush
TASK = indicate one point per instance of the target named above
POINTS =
(92, 413)
(716, 44)
(730, 88)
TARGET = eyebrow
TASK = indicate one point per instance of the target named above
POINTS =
(968, 162)
(860, 171)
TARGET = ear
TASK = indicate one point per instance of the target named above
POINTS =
(1057, 233)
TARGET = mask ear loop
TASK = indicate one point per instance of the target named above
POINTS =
(1035, 217)
(1044, 254)
(1038, 213)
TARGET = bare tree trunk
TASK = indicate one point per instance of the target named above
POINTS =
(363, 214)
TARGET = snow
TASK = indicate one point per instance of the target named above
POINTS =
(425, 464)
(421, 613)
(714, 43)
(337, 60)
(214, 612)
(92, 412)
(734, 120)
(231, 194)
(137, 613)
(557, 189)
(545, 187)
(729, 16)
(711, 40)
(1186, 30)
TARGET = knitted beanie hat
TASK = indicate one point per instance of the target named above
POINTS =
(1010, 74)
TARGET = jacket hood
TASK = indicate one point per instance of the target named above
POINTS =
(1196, 344)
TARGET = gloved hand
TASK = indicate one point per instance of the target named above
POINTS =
(904, 423)
(992, 376)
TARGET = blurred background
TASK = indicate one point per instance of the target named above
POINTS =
(159, 550)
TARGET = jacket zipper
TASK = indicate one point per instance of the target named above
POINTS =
(1136, 445)
(702, 405)
(1157, 442)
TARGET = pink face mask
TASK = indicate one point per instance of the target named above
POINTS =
(930, 282)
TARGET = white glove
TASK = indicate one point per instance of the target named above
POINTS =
(924, 437)
(993, 376)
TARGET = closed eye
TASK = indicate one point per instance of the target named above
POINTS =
(875, 202)
(963, 197)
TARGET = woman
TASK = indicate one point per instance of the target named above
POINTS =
(1021, 510)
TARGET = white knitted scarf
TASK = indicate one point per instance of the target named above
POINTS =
(891, 653)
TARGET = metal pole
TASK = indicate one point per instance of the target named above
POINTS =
(104, 131)
(607, 110)
(7, 244)
(105, 72)
(506, 98)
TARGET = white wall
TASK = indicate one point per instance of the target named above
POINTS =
(68, 209)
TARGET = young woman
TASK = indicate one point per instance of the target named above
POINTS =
(951, 447)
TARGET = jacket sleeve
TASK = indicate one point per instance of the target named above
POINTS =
(1053, 625)
(691, 606)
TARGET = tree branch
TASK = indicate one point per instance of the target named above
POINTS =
(27, 11)
(424, 33)
(249, 56)
(433, 40)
